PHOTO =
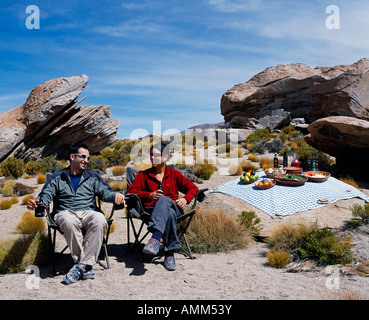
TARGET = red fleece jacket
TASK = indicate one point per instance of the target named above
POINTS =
(173, 182)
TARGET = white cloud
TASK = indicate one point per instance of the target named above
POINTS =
(230, 6)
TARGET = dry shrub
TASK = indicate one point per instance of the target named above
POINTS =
(118, 170)
(14, 199)
(247, 165)
(41, 178)
(344, 294)
(118, 185)
(252, 157)
(235, 170)
(278, 258)
(215, 231)
(287, 236)
(26, 198)
(349, 181)
(266, 163)
(143, 166)
(17, 255)
(30, 224)
(8, 189)
(5, 204)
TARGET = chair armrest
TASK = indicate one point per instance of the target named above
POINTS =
(200, 196)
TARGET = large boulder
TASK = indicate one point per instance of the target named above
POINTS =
(347, 139)
(289, 91)
(51, 119)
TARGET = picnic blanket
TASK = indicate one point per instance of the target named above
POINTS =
(286, 200)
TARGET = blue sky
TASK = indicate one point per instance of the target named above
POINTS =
(169, 61)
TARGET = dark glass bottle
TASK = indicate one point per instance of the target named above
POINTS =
(285, 159)
(275, 161)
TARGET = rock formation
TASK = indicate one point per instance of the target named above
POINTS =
(283, 93)
(51, 119)
(332, 103)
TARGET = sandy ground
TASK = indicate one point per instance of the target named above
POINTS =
(237, 275)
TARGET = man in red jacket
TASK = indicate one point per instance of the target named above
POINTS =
(158, 189)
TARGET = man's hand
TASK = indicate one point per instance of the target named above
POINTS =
(181, 202)
(32, 204)
(156, 194)
(119, 198)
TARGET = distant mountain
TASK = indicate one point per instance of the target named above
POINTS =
(204, 126)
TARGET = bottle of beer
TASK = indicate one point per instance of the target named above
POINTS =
(313, 167)
(160, 186)
(40, 210)
(275, 161)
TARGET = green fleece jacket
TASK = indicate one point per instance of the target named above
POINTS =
(59, 189)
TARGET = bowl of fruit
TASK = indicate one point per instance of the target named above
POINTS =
(249, 177)
(265, 184)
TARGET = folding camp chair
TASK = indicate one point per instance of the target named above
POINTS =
(53, 228)
(135, 210)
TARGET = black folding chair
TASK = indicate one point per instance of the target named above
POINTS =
(135, 210)
(53, 228)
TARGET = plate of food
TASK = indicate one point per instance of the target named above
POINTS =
(317, 176)
(272, 172)
(291, 179)
(265, 184)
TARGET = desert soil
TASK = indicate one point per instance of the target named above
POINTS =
(237, 275)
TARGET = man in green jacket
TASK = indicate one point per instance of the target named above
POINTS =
(73, 191)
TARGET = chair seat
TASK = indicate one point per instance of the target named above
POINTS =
(135, 210)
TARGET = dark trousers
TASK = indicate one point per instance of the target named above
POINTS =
(163, 219)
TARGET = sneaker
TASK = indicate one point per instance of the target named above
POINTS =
(88, 274)
(74, 274)
(152, 247)
(170, 263)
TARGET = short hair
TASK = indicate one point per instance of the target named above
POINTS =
(75, 147)
(162, 147)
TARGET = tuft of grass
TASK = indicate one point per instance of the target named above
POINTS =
(8, 189)
(17, 255)
(349, 181)
(252, 157)
(310, 242)
(215, 231)
(247, 165)
(118, 170)
(235, 170)
(251, 221)
(288, 237)
(361, 213)
(5, 204)
(278, 258)
(41, 178)
(26, 198)
(30, 224)
(266, 163)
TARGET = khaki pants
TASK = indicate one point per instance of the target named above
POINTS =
(83, 250)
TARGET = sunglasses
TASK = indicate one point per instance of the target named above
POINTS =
(83, 156)
(155, 155)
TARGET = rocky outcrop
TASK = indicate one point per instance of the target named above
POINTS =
(347, 139)
(284, 93)
(334, 134)
(51, 119)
